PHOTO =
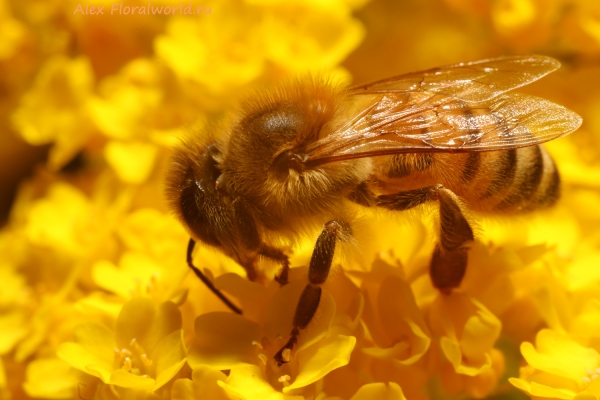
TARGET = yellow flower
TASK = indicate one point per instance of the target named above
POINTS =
(50, 378)
(155, 233)
(12, 32)
(232, 58)
(247, 345)
(65, 220)
(585, 327)
(379, 390)
(124, 101)
(479, 386)
(13, 297)
(204, 384)
(467, 332)
(52, 111)
(139, 275)
(310, 38)
(513, 15)
(393, 319)
(132, 161)
(559, 368)
(144, 352)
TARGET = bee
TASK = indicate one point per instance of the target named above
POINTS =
(302, 153)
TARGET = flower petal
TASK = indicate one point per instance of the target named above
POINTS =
(50, 378)
(134, 320)
(120, 377)
(379, 391)
(223, 341)
(560, 355)
(321, 358)
(467, 332)
(245, 382)
(78, 357)
(168, 357)
(166, 320)
(12, 329)
(132, 162)
(402, 319)
(93, 352)
(204, 384)
(280, 314)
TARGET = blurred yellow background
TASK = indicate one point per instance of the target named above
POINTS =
(91, 104)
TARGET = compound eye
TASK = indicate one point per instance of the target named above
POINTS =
(208, 171)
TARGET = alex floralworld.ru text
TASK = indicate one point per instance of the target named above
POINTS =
(148, 9)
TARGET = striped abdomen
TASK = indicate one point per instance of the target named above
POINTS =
(507, 181)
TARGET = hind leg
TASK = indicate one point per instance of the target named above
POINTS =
(449, 261)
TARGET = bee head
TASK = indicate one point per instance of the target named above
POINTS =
(196, 194)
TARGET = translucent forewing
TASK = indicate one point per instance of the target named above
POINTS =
(458, 108)
(471, 82)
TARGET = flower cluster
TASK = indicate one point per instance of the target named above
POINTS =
(96, 299)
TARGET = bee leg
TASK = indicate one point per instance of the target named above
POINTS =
(253, 245)
(250, 239)
(449, 262)
(279, 256)
(206, 281)
(320, 263)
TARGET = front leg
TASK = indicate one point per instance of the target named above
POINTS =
(320, 264)
(277, 255)
(449, 261)
(253, 246)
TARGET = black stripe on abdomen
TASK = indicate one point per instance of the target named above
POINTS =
(471, 167)
(530, 170)
(505, 174)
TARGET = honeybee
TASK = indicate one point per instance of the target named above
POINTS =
(299, 154)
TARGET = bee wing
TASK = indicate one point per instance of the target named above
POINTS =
(470, 82)
(448, 117)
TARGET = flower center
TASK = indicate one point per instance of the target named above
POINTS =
(145, 288)
(133, 359)
(270, 371)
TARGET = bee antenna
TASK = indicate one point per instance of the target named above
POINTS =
(207, 281)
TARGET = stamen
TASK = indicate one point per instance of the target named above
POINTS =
(136, 346)
(127, 364)
(257, 344)
(263, 358)
(284, 378)
(145, 360)
(286, 355)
